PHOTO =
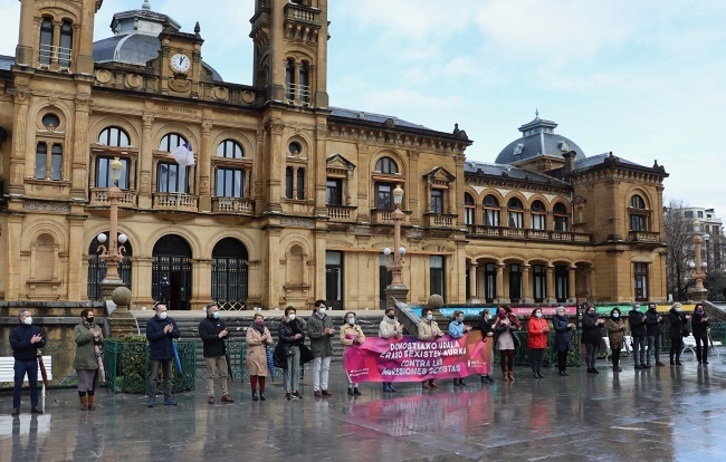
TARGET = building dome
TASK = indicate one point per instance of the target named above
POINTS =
(136, 38)
(538, 139)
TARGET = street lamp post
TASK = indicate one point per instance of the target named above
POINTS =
(397, 289)
(698, 267)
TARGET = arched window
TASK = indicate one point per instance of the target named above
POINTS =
(290, 79)
(45, 51)
(490, 282)
(230, 273)
(300, 186)
(171, 141)
(539, 215)
(172, 177)
(305, 82)
(114, 136)
(386, 165)
(539, 286)
(638, 214)
(230, 149)
(491, 211)
(516, 213)
(469, 209)
(560, 217)
(289, 182)
(171, 272)
(66, 45)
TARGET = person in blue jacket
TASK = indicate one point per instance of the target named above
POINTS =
(458, 329)
(25, 339)
(160, 332)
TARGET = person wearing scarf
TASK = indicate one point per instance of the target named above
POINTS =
(616, 333)
(537, 331)
(563, 340)
(506, 342)
(258, 339)
(390, 328)
(87, 336)
(591, 337)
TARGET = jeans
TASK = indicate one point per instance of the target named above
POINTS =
(166, 369)
(562, 360)
(591, 355)
(639, 351)
(292, 373)
(21, 368)
(217, 365)
(701, 354)
(654, 347)
(676, 348)
(536, 357)
(321, 371)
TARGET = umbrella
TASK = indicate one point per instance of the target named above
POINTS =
(270, 362)
(101, 368)
(176, 357)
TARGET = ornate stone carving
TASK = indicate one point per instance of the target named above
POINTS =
(104, 76)
(180, 85)
(134, 81)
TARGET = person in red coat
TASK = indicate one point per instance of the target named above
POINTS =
(537, 331)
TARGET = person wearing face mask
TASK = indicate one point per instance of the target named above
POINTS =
(487, 334)
(161, 330)
(88, 336)
(428, 329)
(458, 329)
(699, 324)
(676, 332)
(505, 340)
(258, 339)
(291, 335)
(616, 335)
(213, 332)
(652, 326)
(25, 339)
(321, 332)
(638, 331)
(537, 331)
(563, 340)
(591, 337)
(351, 335)
(390, 328)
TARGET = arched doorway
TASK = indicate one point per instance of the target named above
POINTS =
(171, 272)
(230, 274)
(97, 269)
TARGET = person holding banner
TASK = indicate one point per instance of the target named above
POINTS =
(458, 329)
(161, 330)
(87, 336)
(350, 335)
(591, 337)
(563, 340)
(428, 329)
(537, 331)
(390, 328)
(616, 333)
(505, 340)
(487, 334)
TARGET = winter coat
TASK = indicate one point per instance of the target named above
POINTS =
(388, 326)
(652, 324)
(537, 331)
(348, 334)
(86, 347)
(500, 328)
(699, 326)
(616, 332)
(256, 361)
(320, 344)
(678, 324)
(160, 343)
(562, 333)
(20, 337)
(456, 329)
(209, 330)
(591, 332)
(636, 318)
(485, 327)
(286, 331)
(428, 330)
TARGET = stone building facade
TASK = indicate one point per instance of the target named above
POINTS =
(289, 199)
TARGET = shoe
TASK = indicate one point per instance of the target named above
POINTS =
(227, 399)
(678, 363)
(35, 410)
(84, 403)
(535, 375)
(646, 366)
(151, 402)
(170, 401)
(562, 373)
(705, 362)
(327, 393)
(489, 379)
(296, 394)
(356, 391)
(91, 404)
(262, 396)
(254, 396)
(539, 375)
(510, 376)
(660, 364)
(350, 391)
(566, 374)
(319, 394)
(391, 389)
(16, 411)
(638, 366)
(482, 379)
(434, 385)
(288, 396)
(461, 383)
(590, 370)
(595, 371)
(210, 400)
(424, 385)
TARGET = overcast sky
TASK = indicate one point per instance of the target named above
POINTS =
(643, 79)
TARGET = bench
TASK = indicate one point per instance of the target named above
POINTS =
(7, 374)
(627, 343)
(689, 344)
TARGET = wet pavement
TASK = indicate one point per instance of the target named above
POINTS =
(666, 413)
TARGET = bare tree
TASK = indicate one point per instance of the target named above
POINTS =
(679, 237)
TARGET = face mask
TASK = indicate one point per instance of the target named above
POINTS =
(260, 322)
(351, 321)
(539, 315)
(162, 315)
(391, 316)
(90, 320)
(616, 315)
(321, 310)
(460, 319)
(215, 315)
(502, 314)
(28, 321)
(678, 310)
(591, 314)
(291, 316)
(561, 313)
(429, 317)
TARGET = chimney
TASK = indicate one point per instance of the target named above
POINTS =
(569, 162)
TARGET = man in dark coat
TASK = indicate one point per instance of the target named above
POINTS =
(25, 339)
(636, 318)
(160, 332)
(213, 332)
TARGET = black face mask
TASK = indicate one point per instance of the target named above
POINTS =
(90, 320)
(391, 316)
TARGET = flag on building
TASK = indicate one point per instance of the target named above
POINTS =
(183, 155)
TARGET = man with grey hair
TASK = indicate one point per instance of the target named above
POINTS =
(25, 339)
(213, 332)
(161, 330)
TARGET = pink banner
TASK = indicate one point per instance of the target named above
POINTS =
(409, 359)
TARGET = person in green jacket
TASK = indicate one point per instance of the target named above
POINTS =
(88, 336)
(321, 330)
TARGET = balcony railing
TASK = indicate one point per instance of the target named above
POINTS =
(294, 12)
(99, 197)
(175, 201)
(233, 205)
(521, 233)
(49, 54)
(438, 220)
(382, 216)
(644, 236)
(341, 213)
(299, 94)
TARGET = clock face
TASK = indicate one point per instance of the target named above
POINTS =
(180, 62)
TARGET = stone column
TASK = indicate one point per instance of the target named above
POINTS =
(21, 100)
(14, 245)
(146, 163)
(473, 281)
(527, 284)
(75, 255)
(205, 195)
(500, 283)
(79, 168)
(277, 168)
(550, 291)
(571, 281)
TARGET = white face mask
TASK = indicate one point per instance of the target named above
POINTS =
(539, 315)
(429, 317)
(28, 321)
(321, 310)
(291, 316)
(162, 315)
(351, 321)
(616, 315)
